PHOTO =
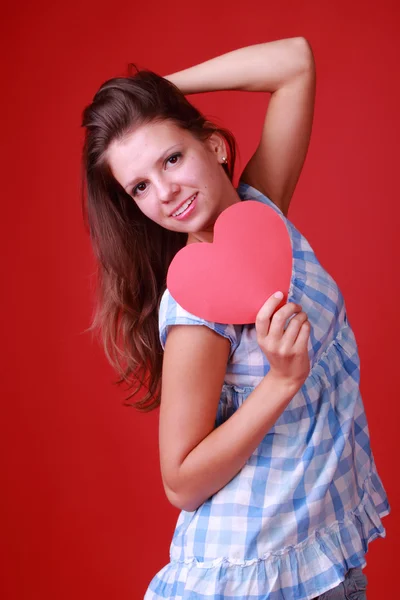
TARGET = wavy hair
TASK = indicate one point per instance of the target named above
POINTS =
(132, 252)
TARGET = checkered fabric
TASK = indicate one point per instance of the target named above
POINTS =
(303, 509)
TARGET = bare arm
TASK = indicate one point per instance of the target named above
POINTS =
(286, 69)
(259, 68)
(196, 459)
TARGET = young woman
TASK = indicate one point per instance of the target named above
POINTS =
(264, 444)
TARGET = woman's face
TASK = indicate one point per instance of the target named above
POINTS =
(175, 179)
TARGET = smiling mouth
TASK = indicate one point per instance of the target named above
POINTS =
(184, 206)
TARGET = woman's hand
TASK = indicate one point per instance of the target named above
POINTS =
(286, 350)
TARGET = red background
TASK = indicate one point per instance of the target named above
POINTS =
(83, 511)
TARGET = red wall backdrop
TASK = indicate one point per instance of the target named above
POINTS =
(83, 511)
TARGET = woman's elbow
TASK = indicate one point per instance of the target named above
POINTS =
(179, 501)
(305, 53)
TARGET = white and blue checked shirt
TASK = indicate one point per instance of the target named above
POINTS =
(303, 509)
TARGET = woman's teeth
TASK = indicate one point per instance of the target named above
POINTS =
(184, 206)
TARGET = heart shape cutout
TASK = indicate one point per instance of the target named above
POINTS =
(229, 280)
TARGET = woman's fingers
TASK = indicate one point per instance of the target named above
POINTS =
(265, 313)
(277, 326)
(271, 322)
(301, 342)
(285, 350)
(293, 329)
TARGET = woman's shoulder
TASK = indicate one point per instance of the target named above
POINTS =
(172, 313)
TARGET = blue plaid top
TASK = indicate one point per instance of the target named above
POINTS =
(303, 509)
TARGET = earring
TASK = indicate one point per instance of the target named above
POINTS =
(224, 159)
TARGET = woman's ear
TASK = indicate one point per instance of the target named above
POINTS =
(217, 146)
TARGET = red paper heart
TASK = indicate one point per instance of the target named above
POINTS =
(229, 280)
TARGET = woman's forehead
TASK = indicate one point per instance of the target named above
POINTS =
(150, 136)
(156, 131)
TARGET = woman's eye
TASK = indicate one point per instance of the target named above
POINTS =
(140, 187)
(174, 158)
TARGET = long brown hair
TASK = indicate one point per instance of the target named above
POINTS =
(133, 253)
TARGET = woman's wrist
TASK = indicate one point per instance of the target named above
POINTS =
(287, 386)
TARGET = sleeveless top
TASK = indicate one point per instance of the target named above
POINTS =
(303, 509)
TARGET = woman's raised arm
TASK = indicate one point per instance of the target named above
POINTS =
(286, 69)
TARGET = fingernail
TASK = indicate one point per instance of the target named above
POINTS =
(278, 295)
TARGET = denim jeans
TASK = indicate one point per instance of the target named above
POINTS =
(352, 588)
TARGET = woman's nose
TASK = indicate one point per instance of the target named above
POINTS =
(168, 190)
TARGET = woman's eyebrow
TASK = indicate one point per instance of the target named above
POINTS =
(159, 160)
